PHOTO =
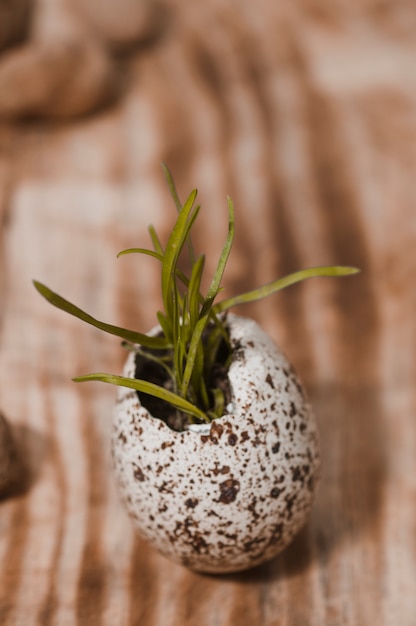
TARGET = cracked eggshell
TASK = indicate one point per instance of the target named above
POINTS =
(231, 498)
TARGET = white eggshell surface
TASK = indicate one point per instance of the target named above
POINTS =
(233, 498)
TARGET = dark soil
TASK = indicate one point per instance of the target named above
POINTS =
(151, 371)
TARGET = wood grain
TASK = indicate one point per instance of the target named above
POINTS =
(305, 115)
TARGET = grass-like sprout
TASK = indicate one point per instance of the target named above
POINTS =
(193, 326)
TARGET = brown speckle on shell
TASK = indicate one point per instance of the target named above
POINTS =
(216, 432)
(275, 492)
(269, 380)
(220, 470)
(191, 503)
(122, 437)
(138, 474)
(229, 490)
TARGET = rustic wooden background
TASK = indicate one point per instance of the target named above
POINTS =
(305, 113)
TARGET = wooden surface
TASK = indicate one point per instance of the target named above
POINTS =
(306, 116)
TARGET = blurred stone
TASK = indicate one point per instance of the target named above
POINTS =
(14, 21)
(10, 466)
(121, 23)
(56, 78)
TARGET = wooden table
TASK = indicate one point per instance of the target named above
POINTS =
(307, 118)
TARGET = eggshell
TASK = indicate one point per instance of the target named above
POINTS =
(231, 498)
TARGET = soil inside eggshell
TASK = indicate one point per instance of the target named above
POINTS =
(151, 371)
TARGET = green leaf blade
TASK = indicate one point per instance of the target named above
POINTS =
(175, 197)
(151, 253)
(194, 290)
(129, 335)
(165, 325)
(173, 249)
(282, 283)
(207, 307)
(215, 285)
(147, 387)
(155, 240)
(172, 187)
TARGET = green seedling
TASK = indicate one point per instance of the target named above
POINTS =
(193, 326)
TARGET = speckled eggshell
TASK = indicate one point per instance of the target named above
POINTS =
(234, 497)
